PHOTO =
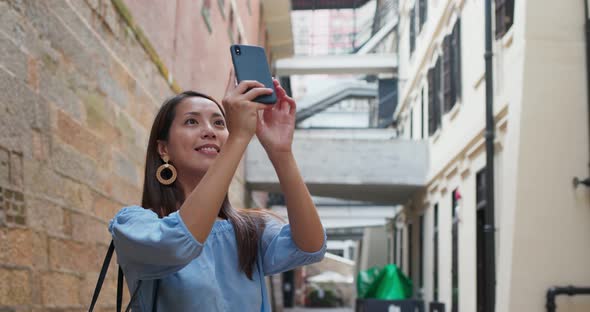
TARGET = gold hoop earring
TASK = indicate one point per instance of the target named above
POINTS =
(169, 167)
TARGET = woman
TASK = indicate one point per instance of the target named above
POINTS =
(186, 247)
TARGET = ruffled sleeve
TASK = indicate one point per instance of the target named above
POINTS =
(152, 247)
(279, 251)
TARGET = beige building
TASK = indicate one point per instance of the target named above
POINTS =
(542, 222)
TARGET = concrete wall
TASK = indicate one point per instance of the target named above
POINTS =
(372, 251)
(540, 106)
(551, 219)
(79, 96)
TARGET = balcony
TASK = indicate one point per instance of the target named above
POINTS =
(371, 165)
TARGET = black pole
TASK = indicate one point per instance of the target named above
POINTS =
(556, 291)
(489, 228)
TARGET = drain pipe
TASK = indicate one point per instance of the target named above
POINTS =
(489, 227)
(586, 181)
(569, 290)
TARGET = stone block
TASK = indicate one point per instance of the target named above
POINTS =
(105, 208)
(12, 57)
(73, 164)
(100, 116)
(40, 145)
(88, 229)
(122, 191)
(40, 251)
(60, 289)
(111, 87)
(16, 247)
(76, 135)
(53, 86)
(76, 195)
(41, 179)
(45, 216)
(73, 256)
(125, 169)
(4, 167)
(15, 288)
(18, 113)
(146, 109)
(16, 170)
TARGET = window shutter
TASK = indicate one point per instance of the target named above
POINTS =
(509, 17)
(438, 94)
(446, 83)
(431, 124)
(456, 50)
(504, 16)
(499, 8)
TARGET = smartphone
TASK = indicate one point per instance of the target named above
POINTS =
(250, 64)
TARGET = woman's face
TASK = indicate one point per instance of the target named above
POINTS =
(196, 136)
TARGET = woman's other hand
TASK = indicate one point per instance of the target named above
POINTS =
(276, 124)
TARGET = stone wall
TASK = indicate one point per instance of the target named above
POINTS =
(79, 93)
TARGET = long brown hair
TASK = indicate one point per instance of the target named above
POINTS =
(165, 199)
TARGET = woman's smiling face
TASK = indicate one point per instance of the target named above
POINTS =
(197, 134)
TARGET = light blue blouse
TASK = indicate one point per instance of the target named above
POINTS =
(195, 276)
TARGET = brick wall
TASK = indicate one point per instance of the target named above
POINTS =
(79, 93)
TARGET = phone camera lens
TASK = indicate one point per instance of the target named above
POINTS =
(238, 51)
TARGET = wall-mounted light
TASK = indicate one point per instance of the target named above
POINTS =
(577, 182)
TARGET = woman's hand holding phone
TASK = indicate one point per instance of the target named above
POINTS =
(241, 112)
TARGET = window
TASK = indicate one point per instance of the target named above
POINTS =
(456, 61)
(401, 249)
(455, 254)
(480, 191)
(410, 253)
(446, 65)
(452, 67)
(504, 16)
(421, 254)
(206, 14)
(412, 123)
(481, 262)
(423, 15)
(422, 113)
(435, 258)
(412, 31)
(434, 98)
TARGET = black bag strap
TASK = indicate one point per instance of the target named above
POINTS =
(103, 273)
(101, 277)
(120, 289)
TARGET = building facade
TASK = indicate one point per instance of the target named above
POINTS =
(540, 108)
